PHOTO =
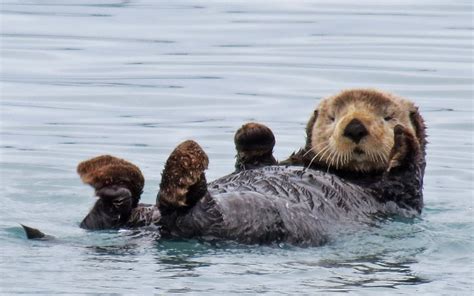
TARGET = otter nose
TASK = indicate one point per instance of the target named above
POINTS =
(355, 130)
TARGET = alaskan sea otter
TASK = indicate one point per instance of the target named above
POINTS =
(364, 157)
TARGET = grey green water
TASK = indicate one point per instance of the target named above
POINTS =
(134, 78)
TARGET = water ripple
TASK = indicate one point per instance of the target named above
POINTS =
(134, 78)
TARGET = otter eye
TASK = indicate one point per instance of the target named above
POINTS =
(388, 118)
(331, 118)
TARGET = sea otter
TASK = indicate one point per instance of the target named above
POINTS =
(364, 158)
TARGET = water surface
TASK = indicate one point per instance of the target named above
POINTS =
(134, 78)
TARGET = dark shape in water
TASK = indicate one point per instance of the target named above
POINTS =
(33, 233)
(265, 204)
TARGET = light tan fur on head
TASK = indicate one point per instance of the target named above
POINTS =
(377, 111)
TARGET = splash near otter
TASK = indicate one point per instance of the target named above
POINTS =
(364, 157)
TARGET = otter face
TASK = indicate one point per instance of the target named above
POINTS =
(354, 130)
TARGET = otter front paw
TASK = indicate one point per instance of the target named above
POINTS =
(183, 181)
(254, 143)
(405, 148)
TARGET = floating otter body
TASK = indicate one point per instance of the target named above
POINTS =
(286, 204)
(363, 158)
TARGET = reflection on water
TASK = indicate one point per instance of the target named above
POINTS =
(370, 272)
(134, 78)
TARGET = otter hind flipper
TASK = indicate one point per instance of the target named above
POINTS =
(183, 180)
(118, 184)
(33, 233)
(106, 170)
(254, 143)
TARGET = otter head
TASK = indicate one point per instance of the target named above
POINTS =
(354, 130)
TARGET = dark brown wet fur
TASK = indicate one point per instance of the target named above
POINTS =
(254, 143)
(183, 181)
(420, 128)
(406, 149)
(33, 233)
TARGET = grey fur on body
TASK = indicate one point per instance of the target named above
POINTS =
(288, 204)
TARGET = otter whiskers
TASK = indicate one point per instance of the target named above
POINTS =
(307, 152)
(323, 151)
(334, 158)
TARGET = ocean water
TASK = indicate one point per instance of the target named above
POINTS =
(81, 78)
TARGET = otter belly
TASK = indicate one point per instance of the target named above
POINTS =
(277, 204)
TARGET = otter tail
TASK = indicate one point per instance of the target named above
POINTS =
(33, 233)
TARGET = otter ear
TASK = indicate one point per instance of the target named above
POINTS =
(309, 126)
(419, 125)
(105, 171)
